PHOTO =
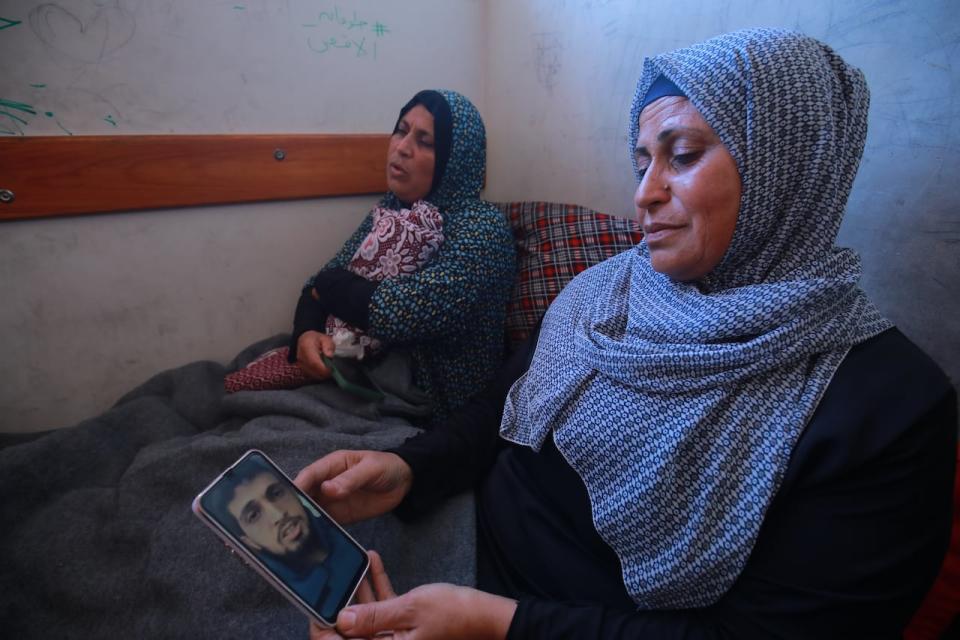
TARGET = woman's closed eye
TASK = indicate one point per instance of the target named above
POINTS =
(424, 140)
(678, 160)
(687, 158)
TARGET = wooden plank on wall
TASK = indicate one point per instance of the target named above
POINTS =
(59, 175)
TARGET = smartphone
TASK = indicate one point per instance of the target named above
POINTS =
(284, 535)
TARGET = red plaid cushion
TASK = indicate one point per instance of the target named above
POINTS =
(269, 371)
(555, 242)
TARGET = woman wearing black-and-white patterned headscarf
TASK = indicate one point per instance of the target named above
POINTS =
(716, 434)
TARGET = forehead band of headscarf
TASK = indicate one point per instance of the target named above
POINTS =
(660, 88)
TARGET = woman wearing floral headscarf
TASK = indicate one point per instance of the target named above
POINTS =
(450, 313)
(717, 435)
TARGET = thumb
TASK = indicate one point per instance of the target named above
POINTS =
(366, 620)
(329, 349)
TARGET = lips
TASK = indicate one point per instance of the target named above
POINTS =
(291, 530)
(396, 171)
(659, 231)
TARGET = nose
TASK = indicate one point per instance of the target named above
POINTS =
(405, 145)
(652, 191)
(273, 513)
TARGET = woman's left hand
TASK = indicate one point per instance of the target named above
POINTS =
(431, 611)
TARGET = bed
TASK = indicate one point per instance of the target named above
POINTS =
(98, 540)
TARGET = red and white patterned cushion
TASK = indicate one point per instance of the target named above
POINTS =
(270, 371)
(555, 242)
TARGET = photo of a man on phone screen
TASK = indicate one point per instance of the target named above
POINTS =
(263, 511)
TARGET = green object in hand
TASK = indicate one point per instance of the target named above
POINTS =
(351, 377)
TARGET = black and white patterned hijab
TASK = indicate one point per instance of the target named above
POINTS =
(679, 404)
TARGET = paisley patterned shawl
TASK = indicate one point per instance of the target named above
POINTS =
(679, 404)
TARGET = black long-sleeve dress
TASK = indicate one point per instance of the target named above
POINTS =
(849, 545)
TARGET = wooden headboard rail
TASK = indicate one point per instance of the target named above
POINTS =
(60, 175)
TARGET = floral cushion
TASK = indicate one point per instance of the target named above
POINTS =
(555, 242)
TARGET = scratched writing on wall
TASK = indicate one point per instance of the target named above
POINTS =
(336, 32)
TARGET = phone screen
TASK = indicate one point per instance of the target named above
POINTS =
(284, 535)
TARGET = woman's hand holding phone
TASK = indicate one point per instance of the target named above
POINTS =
(356, 485)
(375, 587)
(440, 611)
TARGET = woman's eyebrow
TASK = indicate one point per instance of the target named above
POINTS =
(676, 132)
(669, 134)
(419, 130)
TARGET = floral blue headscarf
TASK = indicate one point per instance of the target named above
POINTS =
(464, 166)
(679, 404)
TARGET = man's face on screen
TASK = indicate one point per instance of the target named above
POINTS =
(270, 515)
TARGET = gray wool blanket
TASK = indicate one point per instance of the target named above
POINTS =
(98, 539)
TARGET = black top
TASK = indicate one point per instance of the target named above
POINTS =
(848, 548)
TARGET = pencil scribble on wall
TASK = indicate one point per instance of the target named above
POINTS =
(99, 31)
(548, 50)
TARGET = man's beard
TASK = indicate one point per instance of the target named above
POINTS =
(299, 560)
